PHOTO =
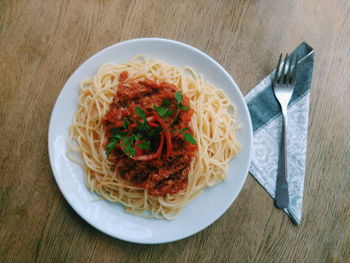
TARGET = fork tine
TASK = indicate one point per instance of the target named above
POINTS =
(295, 70)
(288, 75)
(277, 71)
(283, 77)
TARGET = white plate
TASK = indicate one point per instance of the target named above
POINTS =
(109, 217)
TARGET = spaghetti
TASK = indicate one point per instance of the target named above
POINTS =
(212, 124)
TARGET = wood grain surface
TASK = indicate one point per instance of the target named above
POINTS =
(43, 41)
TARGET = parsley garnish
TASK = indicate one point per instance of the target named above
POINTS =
(120, 135)
(127, 141)
(146, 145)
(165, 103)
(126, 123)
(163, 112)
(141, 113)
(180, 106)
(188, 137)
(111, 146)
(143, 131)
(178, 97)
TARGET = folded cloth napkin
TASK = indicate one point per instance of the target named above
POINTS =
(267, 124)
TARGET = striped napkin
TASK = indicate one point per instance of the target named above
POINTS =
(267, 123)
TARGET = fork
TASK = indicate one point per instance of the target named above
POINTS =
(283, 85)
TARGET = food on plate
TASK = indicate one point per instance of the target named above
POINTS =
(152, 136)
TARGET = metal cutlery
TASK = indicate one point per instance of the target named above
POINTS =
(283, 85)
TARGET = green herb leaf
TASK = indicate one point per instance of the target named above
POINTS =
(126, 123)
(140, 112)
(115, 131)
(141, 126)
(146, 145)
(125, 141)
(178, 97)
(110, 147)
(116, 135)
(182, 107)
(130, 150)
(128, 144)
(161, 110)
(165, 103)
(167, 114)
(182, 130)
(188, 137)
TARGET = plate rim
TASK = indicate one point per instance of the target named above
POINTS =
(96, 54)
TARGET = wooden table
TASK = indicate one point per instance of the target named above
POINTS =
(43, 42)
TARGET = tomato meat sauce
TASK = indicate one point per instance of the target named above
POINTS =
(149, 139)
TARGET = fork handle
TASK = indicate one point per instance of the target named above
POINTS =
(282, 193)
